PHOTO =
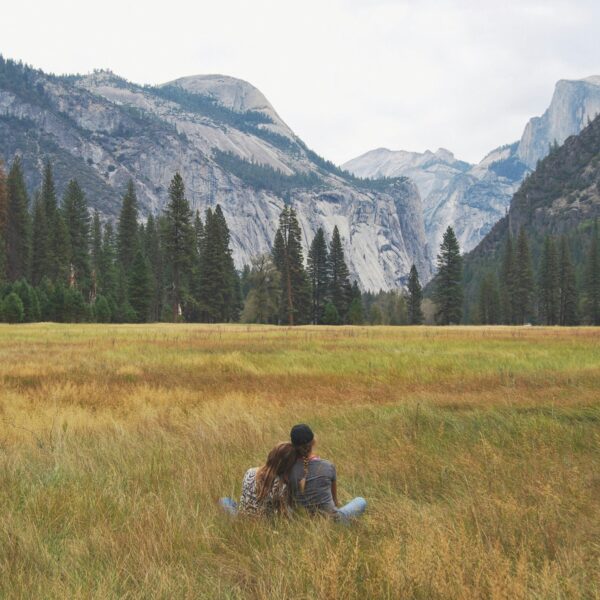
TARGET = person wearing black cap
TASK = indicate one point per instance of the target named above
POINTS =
(313, 481)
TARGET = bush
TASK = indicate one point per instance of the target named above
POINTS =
(12, 309)
(102, 310)
(331, 315)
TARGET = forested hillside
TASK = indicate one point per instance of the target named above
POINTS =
(549, 236)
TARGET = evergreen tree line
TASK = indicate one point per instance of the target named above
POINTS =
(58, 262)
(548, 294)
(281, 288)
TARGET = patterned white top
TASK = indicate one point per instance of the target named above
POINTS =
(251, 505)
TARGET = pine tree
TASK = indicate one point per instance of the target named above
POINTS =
(63, 270)
(18, 229)
(52, 267)
(262, 302)
(549, 283)
(318, 274)
(179, 242)
(415, 297)
(524, 284)
(140, 287)
(77, 219)
(490, 312)
(592, 279)
(356, 312)
(568, 287)
(127, 230)
(507, 283)
(232, 291)
(339, 276)
(3, 222)
(154, 255)
(289, 260)
(12, 309)
(96, 257)
(108, 275)
(40, 252)
(199, 232)
(448, 292)
(331, 315)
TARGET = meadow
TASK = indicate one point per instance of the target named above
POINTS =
(478, 450)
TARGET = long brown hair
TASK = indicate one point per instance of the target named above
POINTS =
(279, 463)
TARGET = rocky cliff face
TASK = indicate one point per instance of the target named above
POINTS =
(472, 198)
(231, 148)
(573, 105)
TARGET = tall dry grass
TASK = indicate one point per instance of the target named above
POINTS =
(477, 448)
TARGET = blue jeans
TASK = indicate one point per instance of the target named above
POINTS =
(353, 509)
(229, 505)
(345, 514)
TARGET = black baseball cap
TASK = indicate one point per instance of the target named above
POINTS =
(301, 434)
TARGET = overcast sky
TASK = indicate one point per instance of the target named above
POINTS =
(347, 75)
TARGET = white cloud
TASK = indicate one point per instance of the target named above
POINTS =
(347, 75)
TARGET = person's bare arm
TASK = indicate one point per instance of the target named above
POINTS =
(334, 492)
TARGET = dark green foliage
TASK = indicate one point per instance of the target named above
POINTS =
(592, 279)
(549, 283)
(140, 287)
(489, 301)
(568, 287)
(386, 308)
(524, 283)
(289, 260)
(63, 271)
(74, 307)
(448, 294)
(127, 230)
(318, 274)
(96, 254)
(3, 212)
(415, 297)
(219, 282)
(508, 280)
(153, 253)
(29, 298)
(108, 271)
(18, 229)
(12, 309)
(102, 310)
(41, 264)
(179, 241)
(263, 177)
(77, 219)
(264, 291)
(331, 315)
(355, 312)
(340, 289)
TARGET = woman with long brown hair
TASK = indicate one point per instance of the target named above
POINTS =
(264, 489)
(313, 480)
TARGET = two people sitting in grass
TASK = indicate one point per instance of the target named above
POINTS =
(293, 477)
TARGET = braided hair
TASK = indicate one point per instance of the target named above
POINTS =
(303, 453)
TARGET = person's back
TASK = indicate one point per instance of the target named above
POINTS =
(319, 477)
(272, 502)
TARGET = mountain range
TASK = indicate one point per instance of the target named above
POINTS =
(233, 149)
(230, 146)
(473, 197)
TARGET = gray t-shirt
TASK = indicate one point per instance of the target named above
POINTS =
(317, 491)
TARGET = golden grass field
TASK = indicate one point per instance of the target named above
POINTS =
(478, 450)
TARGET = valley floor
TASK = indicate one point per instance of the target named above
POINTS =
(478, 450)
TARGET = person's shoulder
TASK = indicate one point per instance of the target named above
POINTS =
(324, 463)
(250, 473)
